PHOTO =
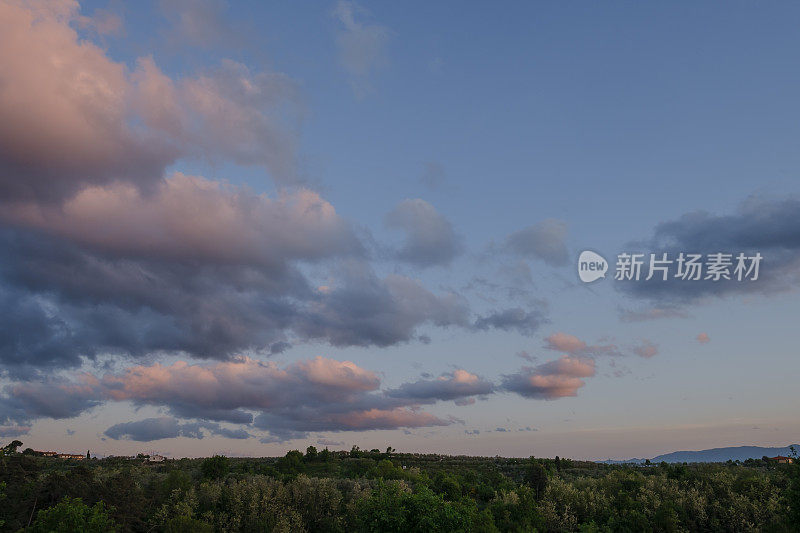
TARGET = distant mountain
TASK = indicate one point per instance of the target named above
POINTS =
(720, 455)
(621, 461)
(714, 455)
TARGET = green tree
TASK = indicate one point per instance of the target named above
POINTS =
(71, 515)
(392, 508)
(536, 477)
(216, 467)
(291, 463)
(311, 454)
(793, 491)
(185, 524)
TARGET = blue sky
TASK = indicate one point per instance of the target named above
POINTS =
(429, 134)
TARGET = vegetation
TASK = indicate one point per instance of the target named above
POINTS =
(359, 490)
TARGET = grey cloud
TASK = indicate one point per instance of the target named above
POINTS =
(430, 239)
(66, 302)
(279, 347)
(770, 227)
(543, 241)
(433, 176)
(514, 319)
(151, 429)
(364, 310)
(315, 395)
(234, 416)
(361, 46)
(457, 385)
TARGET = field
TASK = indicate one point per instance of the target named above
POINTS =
(392, 491)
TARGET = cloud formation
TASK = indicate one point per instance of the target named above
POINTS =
(190, 218)
(361, 46)
(646, 349)
(457, 385)
(150, 429)
(67, 112)
(544, 241)
(770, 227)
(430, 238)
(288, 402)
(555, 379)
(512, 319)
(570, 344)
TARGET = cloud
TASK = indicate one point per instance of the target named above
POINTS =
(457, 385)
(199, 23)
(513, 319)
(190, 218)
(226, 112)
(104, 22)
(555, 379)
(151, 429)
(13, 431)
(70, 117)
(363, 310)
(430, 239)
(646, 349)
(433, 176)
(102, 254)
(651, 313)
(361, 46)
(564, 342)
(703, 338)
(289, 402)
(770, 227)
(543, 241)
(69, 301)
(74, 109)
(527, 356)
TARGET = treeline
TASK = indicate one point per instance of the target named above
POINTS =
(320, 490)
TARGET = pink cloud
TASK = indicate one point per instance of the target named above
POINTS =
(66, 117)
(564, 342)
(570, 344)
(703, 338)
(189, 217)
(646, 349)
(319, 394)
(555, 379)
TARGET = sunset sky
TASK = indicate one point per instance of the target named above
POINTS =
(251, 227)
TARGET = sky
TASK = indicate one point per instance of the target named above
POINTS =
(248, 227)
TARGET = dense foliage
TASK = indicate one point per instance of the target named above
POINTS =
(389, 491)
